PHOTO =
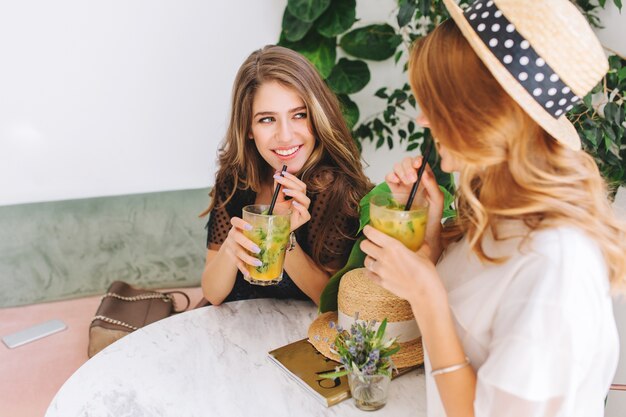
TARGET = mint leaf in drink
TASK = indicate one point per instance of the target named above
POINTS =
(261, 256)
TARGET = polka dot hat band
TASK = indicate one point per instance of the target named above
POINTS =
(519, 58)
(542, 52)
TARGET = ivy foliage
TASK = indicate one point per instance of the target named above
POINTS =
(319, 28)
(601, 123)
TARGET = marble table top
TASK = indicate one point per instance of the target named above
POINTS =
(213, 361)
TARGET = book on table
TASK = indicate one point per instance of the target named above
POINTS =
(304, 364)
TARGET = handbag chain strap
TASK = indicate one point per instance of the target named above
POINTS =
(166, 297)
(116, 322)
(148, 296)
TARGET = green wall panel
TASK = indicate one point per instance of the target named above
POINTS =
(66, 249)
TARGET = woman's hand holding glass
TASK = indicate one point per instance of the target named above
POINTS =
(299, 202)
(401, 180)
(407, 274)
(392, 265)
(237, 245)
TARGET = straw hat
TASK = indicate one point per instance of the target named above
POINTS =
(542, 52)
(358, 294)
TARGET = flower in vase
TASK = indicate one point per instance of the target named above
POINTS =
(363, 349)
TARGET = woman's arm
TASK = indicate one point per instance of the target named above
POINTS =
(413, 276)
(220, 269)
(218, 276)
(457, 388)
(220, 272)
(305, 273)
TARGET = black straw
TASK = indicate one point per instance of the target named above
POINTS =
(276, 191)
(420, 172)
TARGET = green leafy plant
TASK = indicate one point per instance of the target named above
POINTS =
(319, 28)
(601, 121)
(363, 350)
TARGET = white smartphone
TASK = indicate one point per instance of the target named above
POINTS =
(33, 333)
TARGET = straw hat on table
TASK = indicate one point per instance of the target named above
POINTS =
(358, 294)
(542, 52)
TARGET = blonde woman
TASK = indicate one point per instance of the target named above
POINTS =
(516, 316)
(283, 114)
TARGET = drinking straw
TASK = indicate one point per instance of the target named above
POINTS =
(419, 176)
(276, 191)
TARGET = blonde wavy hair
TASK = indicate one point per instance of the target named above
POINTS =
(512, 167)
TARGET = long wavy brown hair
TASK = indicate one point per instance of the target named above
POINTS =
(512, 167)
(335, 155)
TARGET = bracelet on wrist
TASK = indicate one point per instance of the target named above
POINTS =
(292, 242)
(451, 368)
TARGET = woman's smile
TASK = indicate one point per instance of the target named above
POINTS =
(287, 153)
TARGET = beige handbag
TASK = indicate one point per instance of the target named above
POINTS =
(124, 309)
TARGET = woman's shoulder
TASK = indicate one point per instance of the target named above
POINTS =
(550, 244)
(553, 261)
(564, 262)
(562, 285)
(225, 190)
(565, 243)
(223, 184)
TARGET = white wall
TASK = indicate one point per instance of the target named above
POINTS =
(125, 96)
(119, 96)
(613, 35)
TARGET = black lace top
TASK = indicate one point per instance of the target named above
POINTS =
(333, 256)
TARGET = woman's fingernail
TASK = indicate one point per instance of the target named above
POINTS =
(247, 226)
(257, 262)
(296, 203)
(256, 249)
(286, 190)
(277, 176)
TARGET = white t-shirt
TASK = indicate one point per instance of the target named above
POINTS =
(539, 329)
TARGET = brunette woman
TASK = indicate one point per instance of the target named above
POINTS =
(283, 114)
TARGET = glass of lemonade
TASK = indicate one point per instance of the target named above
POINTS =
(387, 214)
(271, 234)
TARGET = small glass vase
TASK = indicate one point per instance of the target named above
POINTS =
(370, 392)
